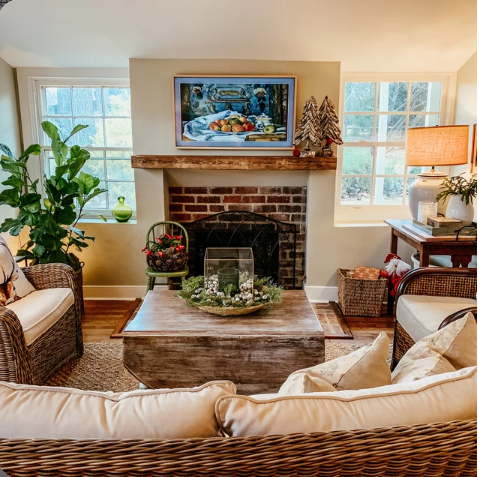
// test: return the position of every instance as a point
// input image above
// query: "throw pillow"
(366, 273)
(364, 368)
(13, 283)
(450, 348)
(442, 398)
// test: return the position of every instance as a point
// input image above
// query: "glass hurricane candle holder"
(426, 210)
(229, 270)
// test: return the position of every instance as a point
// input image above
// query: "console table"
(461, 250)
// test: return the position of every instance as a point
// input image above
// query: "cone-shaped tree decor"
(309, 130)
(329, 122)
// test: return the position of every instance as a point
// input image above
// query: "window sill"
(108, 221)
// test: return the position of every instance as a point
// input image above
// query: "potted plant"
(51, 219)
(462, 193)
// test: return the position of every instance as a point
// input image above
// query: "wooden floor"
(102, 317)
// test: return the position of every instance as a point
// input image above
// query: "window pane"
(119, 170)
(91, 136)
(357, 160)
(423, 120)
(392, 96)
(118, 132)
(87, 102)
(356, 190)
(414, 169)
(358, 127)
(98, 202)
(359, 96)
(391, 127)
(390, 160)
(64, 128)
(119, 154)
(425, 96)
(118, 189)
(388, 190)
(117, 101)
(96, 167)
(58, 101)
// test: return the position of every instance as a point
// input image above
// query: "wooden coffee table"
(170, 345)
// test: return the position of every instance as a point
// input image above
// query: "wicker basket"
(360, 297)
(168, 261)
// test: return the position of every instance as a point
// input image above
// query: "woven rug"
(101, 367)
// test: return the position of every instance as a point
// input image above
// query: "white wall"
(9, 131)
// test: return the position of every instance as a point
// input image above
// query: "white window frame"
(375, 214)
(37, 169)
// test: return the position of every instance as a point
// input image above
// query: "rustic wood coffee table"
(170, 345)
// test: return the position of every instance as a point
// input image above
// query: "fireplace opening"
(273, 242)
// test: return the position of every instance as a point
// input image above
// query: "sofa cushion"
(36, 412)
(41, 309)
(13, 283)
(448, 349)
(421, 315)
(442, 398)
(366, 367)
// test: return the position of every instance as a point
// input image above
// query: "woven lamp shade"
(437, 146)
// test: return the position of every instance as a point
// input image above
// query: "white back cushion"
(62, 413)
(439, 398)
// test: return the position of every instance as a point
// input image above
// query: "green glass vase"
(122, 212)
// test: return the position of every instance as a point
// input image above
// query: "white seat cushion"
(441, 398)
(421, 315)
(41, 309)
(42, 412)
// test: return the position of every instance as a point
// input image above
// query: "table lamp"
(433, 146)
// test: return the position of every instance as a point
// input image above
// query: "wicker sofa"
(36, 362)
(453, 283)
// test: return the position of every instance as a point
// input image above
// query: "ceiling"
(365, 35)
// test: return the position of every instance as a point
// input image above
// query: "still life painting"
(244, 112)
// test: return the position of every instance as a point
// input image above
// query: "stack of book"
(442, 226)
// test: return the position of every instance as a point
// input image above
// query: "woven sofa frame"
(432, 450)
(62, 342)
(449, 282)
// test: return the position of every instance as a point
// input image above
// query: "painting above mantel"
(251, 163)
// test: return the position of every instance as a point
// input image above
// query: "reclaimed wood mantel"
(249, 163)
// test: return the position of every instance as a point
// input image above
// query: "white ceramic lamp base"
(424, 189)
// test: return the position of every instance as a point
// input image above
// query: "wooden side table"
(460, 250)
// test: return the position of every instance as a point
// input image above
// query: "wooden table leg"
(393, 248)
(460, 260)
(424, 257)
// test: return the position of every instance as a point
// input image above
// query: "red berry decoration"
(296, 152)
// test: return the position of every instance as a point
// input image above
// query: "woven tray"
(231, 311)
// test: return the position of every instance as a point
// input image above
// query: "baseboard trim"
(321, 294)
(125, 292)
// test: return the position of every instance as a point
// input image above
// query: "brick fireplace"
(282, 203)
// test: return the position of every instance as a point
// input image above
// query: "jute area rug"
(101, 367)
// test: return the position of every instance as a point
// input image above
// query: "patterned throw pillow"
(366, 273)
(452, 348)
(13, 283)
(364, 368)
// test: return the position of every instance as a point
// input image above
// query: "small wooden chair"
(150, 237)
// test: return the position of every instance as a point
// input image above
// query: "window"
(373, 173)
(106, 109)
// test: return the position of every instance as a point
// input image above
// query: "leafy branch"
(459, 185)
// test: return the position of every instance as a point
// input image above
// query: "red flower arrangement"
(166, 253)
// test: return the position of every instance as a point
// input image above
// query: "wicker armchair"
(440, 282)
(63, 341)
(432, 450)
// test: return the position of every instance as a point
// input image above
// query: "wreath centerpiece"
(251, 297)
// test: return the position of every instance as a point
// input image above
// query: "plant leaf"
(75, 130)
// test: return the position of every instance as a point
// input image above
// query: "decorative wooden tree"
(309, 130)
(329, 126)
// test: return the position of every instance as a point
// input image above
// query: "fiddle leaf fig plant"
(52, 220)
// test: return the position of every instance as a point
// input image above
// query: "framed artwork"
(474, 150)
(234, 112)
